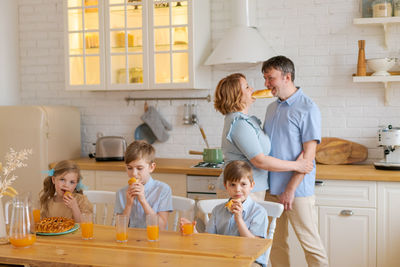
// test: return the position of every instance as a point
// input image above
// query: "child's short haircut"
(236, 170)
(138, 150)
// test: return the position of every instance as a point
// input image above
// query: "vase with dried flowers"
(14, 160)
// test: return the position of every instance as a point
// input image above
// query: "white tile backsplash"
(317, 35)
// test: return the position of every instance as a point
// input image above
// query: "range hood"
(242, 43)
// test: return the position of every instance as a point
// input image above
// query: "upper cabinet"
(137, 45)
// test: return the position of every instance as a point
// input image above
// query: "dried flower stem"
(14, 160)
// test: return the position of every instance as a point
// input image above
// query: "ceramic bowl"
(380, 66)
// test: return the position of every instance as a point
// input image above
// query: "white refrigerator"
(53, 134)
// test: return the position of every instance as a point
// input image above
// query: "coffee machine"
(389, 139)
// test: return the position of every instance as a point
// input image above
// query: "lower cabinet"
(349, 235)
(115, 180)
(388, 224)
(347, 220)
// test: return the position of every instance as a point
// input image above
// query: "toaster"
(110, 148)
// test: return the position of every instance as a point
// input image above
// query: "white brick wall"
(317, 35)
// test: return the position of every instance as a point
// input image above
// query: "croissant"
(55, 225)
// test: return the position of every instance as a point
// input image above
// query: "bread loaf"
(266, 93)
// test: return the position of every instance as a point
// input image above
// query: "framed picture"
(366, 8)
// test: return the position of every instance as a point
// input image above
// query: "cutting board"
(334, 150)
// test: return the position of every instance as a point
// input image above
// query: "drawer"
(346, 193)
(201, 184)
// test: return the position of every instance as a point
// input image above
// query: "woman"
(243, 138)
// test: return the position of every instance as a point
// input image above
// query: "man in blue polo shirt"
(293, 123)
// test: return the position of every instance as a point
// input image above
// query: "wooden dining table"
(172, 249)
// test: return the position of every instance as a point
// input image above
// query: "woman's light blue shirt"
(243, 139)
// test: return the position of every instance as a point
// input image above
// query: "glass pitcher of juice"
(22, 226)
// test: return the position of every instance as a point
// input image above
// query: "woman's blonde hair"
(235, 170)
(49, 189)
(228, 94)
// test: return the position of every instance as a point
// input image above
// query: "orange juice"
(36, 215)
(152, 232)
(187, 229)
(122, 237)
(87, 230)
(23, 241)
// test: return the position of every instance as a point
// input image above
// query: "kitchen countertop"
(184, 166)
(163, 165)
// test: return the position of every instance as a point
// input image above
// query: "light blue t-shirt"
(243, 139)
(158, 195)
(289, 124)
(222, 221)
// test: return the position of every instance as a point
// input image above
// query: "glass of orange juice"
(152, 227)
(87, 226)
(121, 227)
(188, 228)
(36, 211)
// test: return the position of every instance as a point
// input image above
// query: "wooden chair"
(181, 204)
(274, 211)
(106, 199)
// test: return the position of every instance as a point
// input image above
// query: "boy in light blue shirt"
(241, 216)
(146, 195)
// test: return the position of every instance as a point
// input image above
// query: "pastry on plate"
(55, 225)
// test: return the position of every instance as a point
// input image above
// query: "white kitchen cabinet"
(388, 224)
(177, 182)
(347, 223)
(89, 179)
(349, 235)
(136, 45)
(115, 180)
(111, 180)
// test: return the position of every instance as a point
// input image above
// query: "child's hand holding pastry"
(70, 201)
(137, 191)
(237, 208)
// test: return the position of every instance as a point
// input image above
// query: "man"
(293, 123)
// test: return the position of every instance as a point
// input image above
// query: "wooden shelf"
(378, 21)
(386, 20)
(386, 80)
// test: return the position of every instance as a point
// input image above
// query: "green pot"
(211, 155)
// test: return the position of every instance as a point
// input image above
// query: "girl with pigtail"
(62, 194)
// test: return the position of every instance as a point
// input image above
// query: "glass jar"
(382, 8)
(396, 8)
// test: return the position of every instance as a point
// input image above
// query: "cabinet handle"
(319, 183)
(211, 187)
(346, 212)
